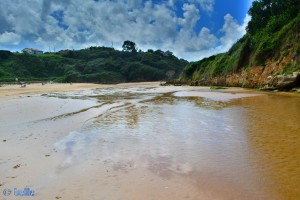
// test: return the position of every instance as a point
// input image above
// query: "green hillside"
(94, 64)
(270, 47)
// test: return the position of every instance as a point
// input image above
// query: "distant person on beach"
(23, 84)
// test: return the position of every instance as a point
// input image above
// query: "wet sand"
(142, 141)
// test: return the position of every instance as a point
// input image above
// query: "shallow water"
(160, 144)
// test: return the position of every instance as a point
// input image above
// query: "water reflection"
(247, 146)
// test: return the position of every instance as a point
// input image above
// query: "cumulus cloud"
(190, 42)
(9, 38)
(208, 44)
(232, 31)
(207, 5)
(191, 16)
(75, 24)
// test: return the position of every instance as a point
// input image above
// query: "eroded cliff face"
(265, 77)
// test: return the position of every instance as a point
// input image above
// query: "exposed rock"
(296, 90)
(295, 74)
(282, 82)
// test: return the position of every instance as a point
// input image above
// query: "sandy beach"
(10, 91)
(90, 141)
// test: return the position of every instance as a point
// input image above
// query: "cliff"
(267, 56)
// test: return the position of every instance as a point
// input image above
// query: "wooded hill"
(94, 64)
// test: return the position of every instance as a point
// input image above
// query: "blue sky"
(192, 29)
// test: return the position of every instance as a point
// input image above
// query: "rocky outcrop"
(283, 82)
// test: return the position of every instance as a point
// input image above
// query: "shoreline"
(14, 91)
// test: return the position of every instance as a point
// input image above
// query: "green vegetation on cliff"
(272, 42)
(94, 64)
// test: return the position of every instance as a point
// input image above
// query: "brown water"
(273, 136)
(178, 143)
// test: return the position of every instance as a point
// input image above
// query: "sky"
(191, 29)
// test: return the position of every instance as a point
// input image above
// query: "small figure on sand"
(23, 84)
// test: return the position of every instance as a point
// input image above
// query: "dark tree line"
(94, 64)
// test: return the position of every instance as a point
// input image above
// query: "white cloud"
(9, 38)
(190, 42)
(207, 5)
(207, 42)
(191, 16)
(232, 30)
(187, 41)
(91, 23)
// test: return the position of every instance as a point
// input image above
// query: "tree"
(150, 51)
(262, 11)
(129, 46)
(259, 14)
(169, 53)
